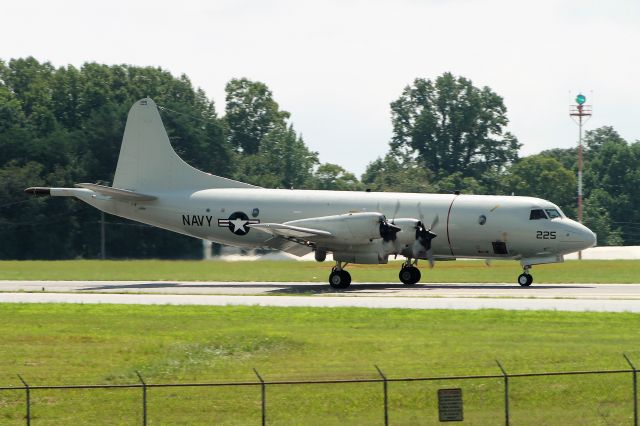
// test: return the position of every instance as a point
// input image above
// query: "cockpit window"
(553, 213)
(537, 214)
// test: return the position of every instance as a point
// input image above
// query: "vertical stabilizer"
(148, 163)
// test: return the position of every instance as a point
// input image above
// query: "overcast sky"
(336, 65)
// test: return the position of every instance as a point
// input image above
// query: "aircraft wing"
(295, 247)
(290, 231)
(292, 239)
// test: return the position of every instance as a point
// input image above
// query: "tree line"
(60, 126)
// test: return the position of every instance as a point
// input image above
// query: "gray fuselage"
(469, 226)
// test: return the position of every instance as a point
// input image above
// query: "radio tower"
(580, 113)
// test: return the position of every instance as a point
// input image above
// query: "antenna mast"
(582, 112)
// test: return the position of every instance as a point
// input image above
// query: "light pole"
(103, 235)
(583, 113)
(103, 251)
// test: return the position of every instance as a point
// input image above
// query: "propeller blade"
(420, 212)
(425, 235)
(395, 212)
(435, 222)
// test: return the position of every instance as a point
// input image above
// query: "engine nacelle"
(352, 228)
(407, 234)
(367, 237)
(409, 241)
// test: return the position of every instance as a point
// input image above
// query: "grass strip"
(89, 344)
(585, 271)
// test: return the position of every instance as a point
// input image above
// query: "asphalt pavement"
(562, 297)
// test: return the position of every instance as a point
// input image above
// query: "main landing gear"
(409, 274)
(525, 279)
(339, 278)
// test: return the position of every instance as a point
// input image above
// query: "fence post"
(264, 397)
(635, 390)
(506, 393)
(26, 386)
(386, 400)
(144, 399)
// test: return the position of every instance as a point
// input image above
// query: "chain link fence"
(386, 413)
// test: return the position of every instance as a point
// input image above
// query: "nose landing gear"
(339, 278)
(525, 279)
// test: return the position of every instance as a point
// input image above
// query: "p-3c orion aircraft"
(153, 185)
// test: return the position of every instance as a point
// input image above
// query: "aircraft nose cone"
(584, 235)
(575, 237)
(590, 238)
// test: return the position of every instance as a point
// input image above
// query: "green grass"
(74, 344)
(586, 271)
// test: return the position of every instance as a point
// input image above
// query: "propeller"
(388, 230)
(424, 235)
(395, 212)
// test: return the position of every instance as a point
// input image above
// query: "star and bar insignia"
(237, 223)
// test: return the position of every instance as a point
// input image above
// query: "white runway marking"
(562, 297)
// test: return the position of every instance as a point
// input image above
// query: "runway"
(561, 297)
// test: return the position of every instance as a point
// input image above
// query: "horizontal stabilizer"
(115, 193)
(288, 231)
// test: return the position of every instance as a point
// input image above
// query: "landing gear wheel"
(409, 275)
(339, 279)
(525, 280)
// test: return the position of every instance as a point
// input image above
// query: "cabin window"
(537, 214)
(553, 213)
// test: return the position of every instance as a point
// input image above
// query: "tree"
(333, 177)
(459, 182)
(612, 179)
(397, 173)
(283, 161)
(568, 157)
(598, 219)
(250, 114)
(35, 227)
(268, 151)
(597, 138)
(63, 126)
(10, 110)
(543, 177)
(452, 126)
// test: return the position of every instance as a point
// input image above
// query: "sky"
(336, 65)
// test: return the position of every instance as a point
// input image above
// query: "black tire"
(409, 275)
(525, 280)
(416, 275)
(339, 279)
(335, 279)
(346, 278)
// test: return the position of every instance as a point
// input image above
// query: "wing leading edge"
(290, 231)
